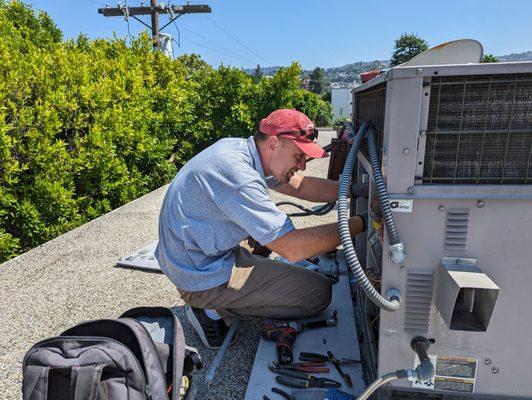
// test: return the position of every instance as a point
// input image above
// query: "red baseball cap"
(294, 125)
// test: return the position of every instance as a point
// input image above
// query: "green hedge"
(89, 125)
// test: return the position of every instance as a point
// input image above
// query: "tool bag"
(140, 356)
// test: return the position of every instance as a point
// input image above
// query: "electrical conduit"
(393, 303)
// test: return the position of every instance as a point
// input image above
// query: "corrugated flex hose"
(397, 249)
(345, 236)
(380, 187)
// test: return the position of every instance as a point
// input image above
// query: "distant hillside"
(349, 74)
(526, 56)
(344, 75)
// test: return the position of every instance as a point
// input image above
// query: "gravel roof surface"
(73, 278)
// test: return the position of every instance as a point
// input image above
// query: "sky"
(244, 33)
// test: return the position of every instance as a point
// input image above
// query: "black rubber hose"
(324, 209)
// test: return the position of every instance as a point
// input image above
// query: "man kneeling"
(219, 199)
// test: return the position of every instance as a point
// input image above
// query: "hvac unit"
(455, 148)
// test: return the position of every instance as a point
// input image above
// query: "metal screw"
(441, 207)
(403, 267)
(458, 261)
(389, 384)
(419, 71)
(487, 361)
(410, 189)
(480, 204)
(423, 133)
(494, 370)
(406, 150)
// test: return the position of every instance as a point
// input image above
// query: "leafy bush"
(89, 125)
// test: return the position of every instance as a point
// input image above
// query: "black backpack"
(141, 355)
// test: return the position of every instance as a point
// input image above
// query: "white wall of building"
(341, 103)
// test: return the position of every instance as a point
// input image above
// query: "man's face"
(287, 160)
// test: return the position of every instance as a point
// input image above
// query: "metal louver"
(456, 229)
(418, 300)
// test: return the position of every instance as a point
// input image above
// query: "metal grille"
(456, 228)
(370, 107)
(419, 288)
(480, 130)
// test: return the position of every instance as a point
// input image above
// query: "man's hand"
(310, 242)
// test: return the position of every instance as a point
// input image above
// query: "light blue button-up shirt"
(219, 198)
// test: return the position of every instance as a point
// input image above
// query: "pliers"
(315, 357)
(283, 394)
(301, 380)
(316, 367)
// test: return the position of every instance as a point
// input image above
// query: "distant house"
(341, 102)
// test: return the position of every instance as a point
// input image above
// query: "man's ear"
(273, 143)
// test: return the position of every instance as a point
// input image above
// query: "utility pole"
(154, 10)
(155, 25)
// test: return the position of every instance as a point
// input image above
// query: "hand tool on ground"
(285, 332)
(318, 368)
(315, 357)
(300, 379)
(280, 392)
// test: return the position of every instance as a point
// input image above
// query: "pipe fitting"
(425, 369)
(393, 295)
(411, 375)
(397, 253)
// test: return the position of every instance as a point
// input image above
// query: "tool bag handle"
(35, 384)
(85, 381)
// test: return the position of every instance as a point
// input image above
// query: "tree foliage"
(317, 83)
(489, 58)
(406, 47)
(89, 125)
(257, 74)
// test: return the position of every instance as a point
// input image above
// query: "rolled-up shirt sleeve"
(251, 207)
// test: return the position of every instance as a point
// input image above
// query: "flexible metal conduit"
(345, 236)
(380, 187)
(397, 249)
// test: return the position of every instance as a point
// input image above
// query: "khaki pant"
(264, 288)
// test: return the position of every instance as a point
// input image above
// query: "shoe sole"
(197, 327)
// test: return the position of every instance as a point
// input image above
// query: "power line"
(178, 35)
(100, 3)
(215, 50)
(236, 40)
(217, 45)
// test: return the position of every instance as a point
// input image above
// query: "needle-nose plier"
(301, 380)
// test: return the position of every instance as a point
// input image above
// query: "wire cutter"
(301, 380)
(315, 357)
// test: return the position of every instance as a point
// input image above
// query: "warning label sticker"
(453, 374)
(454, 384)
(461, 367)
